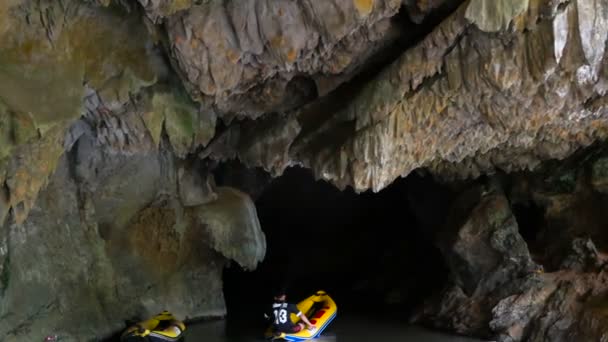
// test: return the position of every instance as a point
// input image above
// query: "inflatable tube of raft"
(320, 309)
(160, 328)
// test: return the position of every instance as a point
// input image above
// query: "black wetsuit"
(280, 315)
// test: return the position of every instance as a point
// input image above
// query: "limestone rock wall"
(102, 213)
(111, 238)
(245, 54)
(547, 287)
(462, 102)
(114, 115)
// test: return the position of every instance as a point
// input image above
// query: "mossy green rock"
(15, 128)
(49, 52)
(49, 49)
(185, 124)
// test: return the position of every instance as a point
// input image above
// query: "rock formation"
(549, 288)
(116, 116)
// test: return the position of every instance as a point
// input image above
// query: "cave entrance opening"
(370, 251)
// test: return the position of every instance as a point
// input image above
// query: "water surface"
(344, 329)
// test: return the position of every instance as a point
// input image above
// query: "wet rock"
(487, 242)
(564, 301)
(512, 315)
(583, 257)
(487, 258)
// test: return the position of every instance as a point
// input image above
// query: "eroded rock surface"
(113, 215)
(245, 54)
(462, 102)
(488, 260)
(95, 183)
(551, 287)
(114, 116)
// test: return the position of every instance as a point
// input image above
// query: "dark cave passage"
(368, 251)
(530, 219)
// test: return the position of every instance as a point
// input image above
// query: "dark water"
(344, 329)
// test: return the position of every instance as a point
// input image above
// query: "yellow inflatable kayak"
(320, 310)
(160, 328)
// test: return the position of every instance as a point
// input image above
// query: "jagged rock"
(487, 242)
(243, 54)
(591, 324)
(564, 306)
(487, 258)
(512, 315)
(464, 102)
(584, 256)
(26, 172)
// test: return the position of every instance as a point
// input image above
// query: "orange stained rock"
(364, 6)
(291, 55)
(233, 56)
(276, 41)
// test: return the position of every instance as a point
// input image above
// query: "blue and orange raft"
(320, 309)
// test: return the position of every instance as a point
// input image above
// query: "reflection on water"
(344, 329)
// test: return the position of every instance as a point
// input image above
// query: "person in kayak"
(280, 315)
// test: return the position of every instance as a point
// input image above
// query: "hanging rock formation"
(461, 103)
(114, 115)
